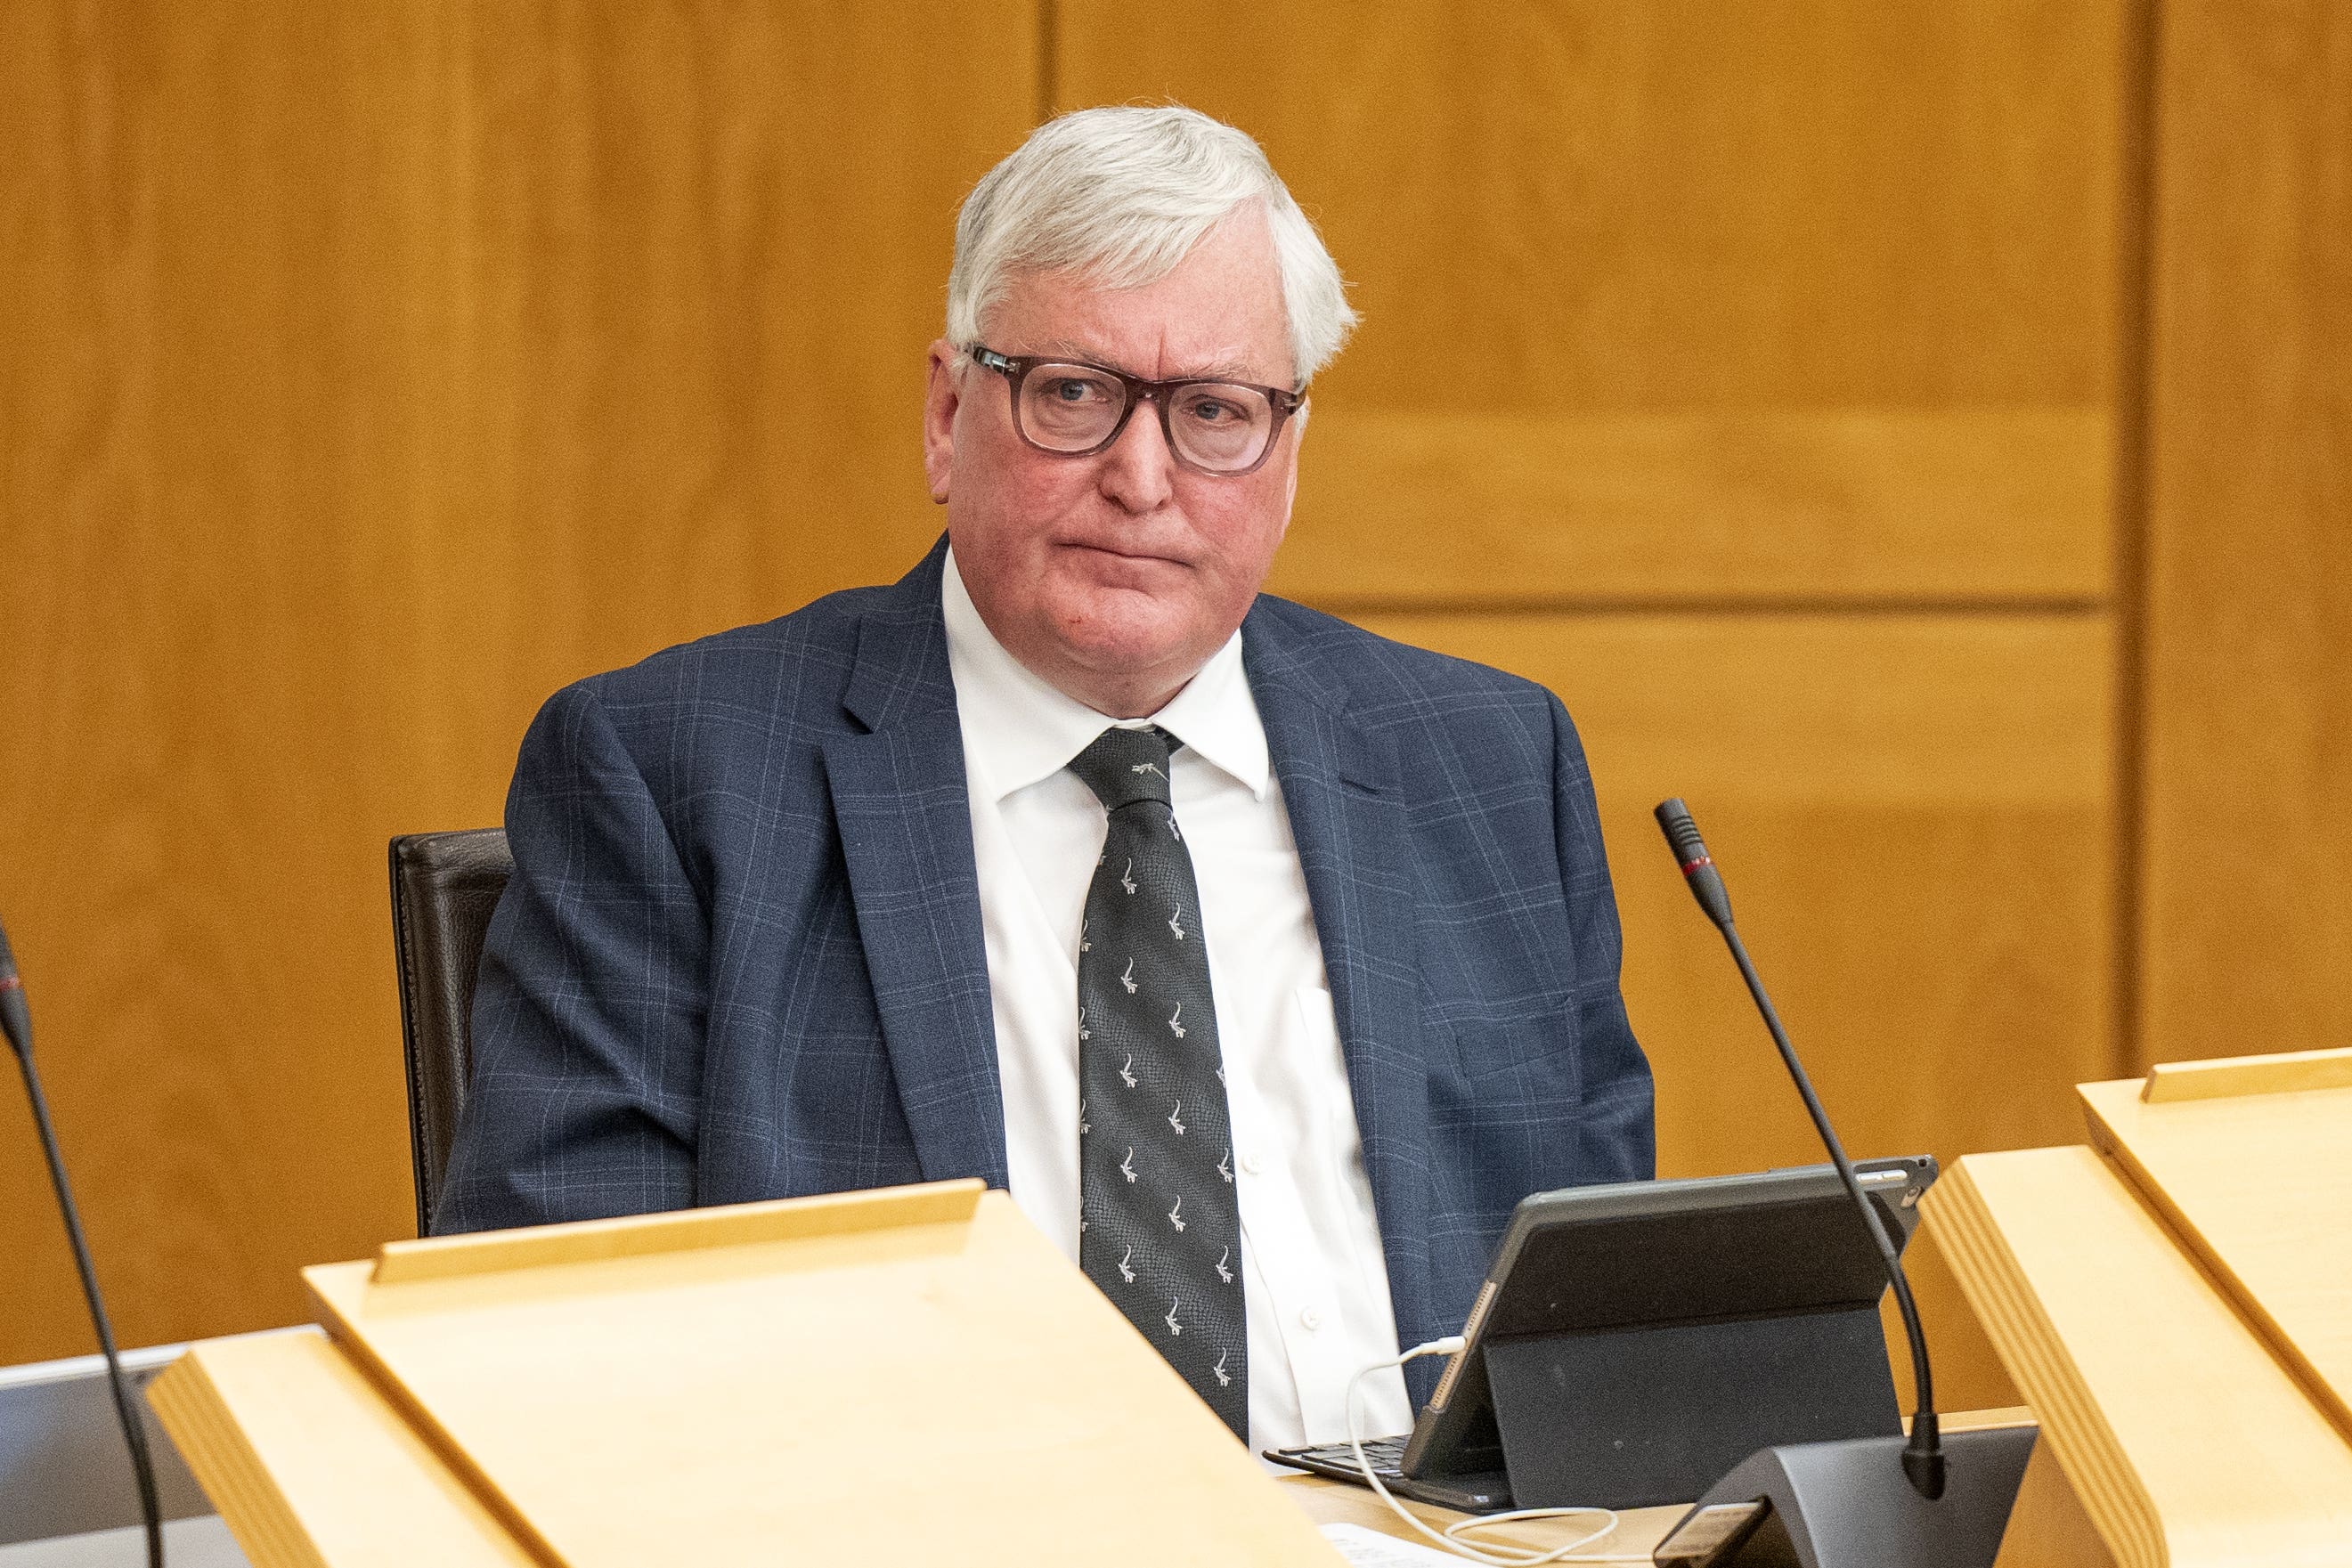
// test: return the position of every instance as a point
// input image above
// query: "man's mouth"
(1124, 552)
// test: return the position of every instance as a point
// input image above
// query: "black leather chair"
(444, 887)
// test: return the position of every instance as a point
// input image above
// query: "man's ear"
(940, 400)
(1297, 440)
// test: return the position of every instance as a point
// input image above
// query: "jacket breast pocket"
(1541, 1041)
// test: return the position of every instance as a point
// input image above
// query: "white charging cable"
(1454, 1537)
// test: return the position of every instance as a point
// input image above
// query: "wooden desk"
(1338, 1502)
(360, 1489)
(2048, 1529)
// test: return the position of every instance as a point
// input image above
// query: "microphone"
(1923, 1456)
(16, 1023)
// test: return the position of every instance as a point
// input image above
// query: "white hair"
(1122, 195)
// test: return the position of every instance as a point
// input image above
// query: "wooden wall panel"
(379, 370)
(1766, 507)
(707, 256)
(1676, 203)
(74, 309)
(1781, 298)
(2247, 846)
(221, 424)
(1902, 807)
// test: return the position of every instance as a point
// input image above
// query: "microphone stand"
(1856, 1502)
(16, 1023)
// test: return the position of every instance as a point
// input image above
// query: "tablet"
(1651, 1334)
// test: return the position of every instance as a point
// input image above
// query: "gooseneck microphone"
(1923, 1456)
(16, 1023)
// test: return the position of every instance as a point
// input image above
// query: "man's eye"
(1213, 411)
(1069, 389)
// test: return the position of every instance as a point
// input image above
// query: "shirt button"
(1251, 1164)
(1310, 1320)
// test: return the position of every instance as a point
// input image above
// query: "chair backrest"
(444, 887)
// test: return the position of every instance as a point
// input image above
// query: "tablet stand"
(1637, 1417)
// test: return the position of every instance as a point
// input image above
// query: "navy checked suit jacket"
(742, 953)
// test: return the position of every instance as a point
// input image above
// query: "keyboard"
(1471, 1493)
(1386, 1455)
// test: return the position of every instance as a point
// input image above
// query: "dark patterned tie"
(1160, 1224)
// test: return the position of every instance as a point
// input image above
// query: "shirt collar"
(1019, 729)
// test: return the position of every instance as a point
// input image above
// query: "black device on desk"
(1634, 1340)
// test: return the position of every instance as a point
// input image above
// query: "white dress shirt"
(1316, 1281)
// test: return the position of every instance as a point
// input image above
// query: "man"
(1267, 962)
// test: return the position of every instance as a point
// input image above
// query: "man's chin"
(1128, 643)
(1134, 650)
(1090, 611)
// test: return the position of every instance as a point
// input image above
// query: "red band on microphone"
(11, 983)
(1694, 866)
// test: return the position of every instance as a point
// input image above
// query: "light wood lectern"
(917, 1375)
(2176, 1304)
(912, 1375)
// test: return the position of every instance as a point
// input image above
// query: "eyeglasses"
(1075, 410)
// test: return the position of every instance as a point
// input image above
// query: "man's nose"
(1138, 471)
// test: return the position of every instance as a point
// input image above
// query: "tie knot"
(1124, 766)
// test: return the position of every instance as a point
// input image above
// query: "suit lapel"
(1347, 813)
(900, 806)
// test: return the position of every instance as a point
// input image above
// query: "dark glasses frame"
(1016, 370)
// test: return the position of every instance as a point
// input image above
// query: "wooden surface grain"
(2187, 1443)
(312, 1468)
(1585, 204)
(2255, 1185)
(278, 1426)
(220, 391)
(735, 1398)
(2245, 936)
(2280, 1072)
(1796, 507)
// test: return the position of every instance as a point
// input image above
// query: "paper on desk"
(1370, 1549)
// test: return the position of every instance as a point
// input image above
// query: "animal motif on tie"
(1085, 1034)
(1173, 1326)
(1083, 1128)
(1176, 922)
(1175, 1118)
(1124, 1272)
(1225, 1165)
(1174, 1212)
(1173, 1024)
(1126, 1071)
(1127, 976)
(1173, 832)
(1225, 1378)
(1127, 878)
(1224, 1273)
(1127, 1166)
(1145, 767)
(1084, 946)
